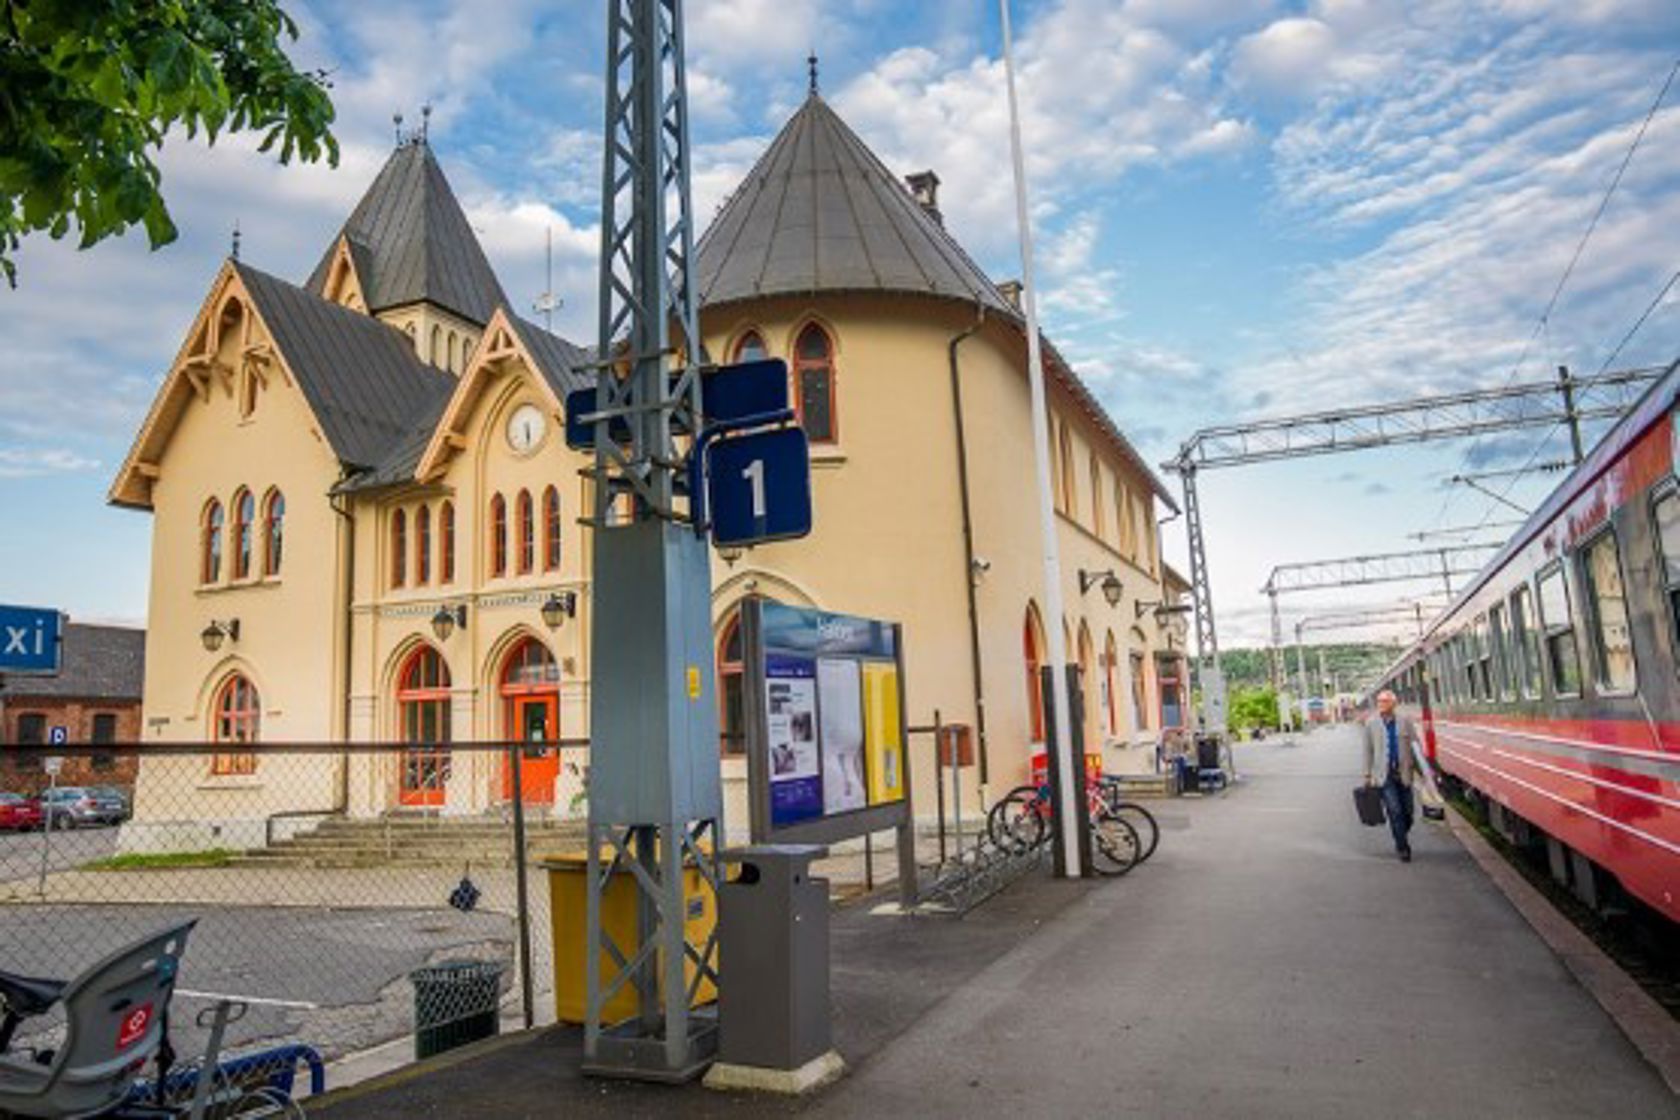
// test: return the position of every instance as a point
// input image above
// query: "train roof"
(1656, 402)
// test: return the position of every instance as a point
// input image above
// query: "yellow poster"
(882, 740)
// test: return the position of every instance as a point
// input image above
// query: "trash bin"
(455, 1002)
(773, 955)
(567, 902)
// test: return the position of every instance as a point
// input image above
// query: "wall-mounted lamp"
(559, 606)
(1161, 610)
(1111, 587)
(730, 554)
(214, 634)
(447, 618)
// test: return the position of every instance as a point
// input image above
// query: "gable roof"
(820, 213)
(98, 663)
(361, 377)
(411, 242)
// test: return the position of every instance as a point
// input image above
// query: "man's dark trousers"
(1397, 799)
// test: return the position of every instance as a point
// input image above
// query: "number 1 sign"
(760, 487)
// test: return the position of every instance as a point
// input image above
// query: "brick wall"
(25, 776)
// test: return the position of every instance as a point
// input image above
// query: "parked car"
(19, 813)
(78, 806)
(116, 796)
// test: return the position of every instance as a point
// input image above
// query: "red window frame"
(1111, 654)
(748, 340)
(731, 680)
(237, 719)
(399, 548)
(210, 544)
(498, 536)
(1034, 657)
(527, 533)
(446, 544)
(274, 532)
(803, 364)
(423, 545)
(551, 530)
(244, 518)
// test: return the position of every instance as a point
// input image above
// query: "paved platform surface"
(1273, 959)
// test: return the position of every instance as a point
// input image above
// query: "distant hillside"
(1353, 665)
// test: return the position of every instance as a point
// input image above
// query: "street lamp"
(1111, 586)
(558, 607)
(447, 618)
(214, 634)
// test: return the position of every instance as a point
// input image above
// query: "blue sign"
(790, 706)
(580, 436)
(803, 630)
(736, 394)
(30, 640)
(759, 487)
(58, 736)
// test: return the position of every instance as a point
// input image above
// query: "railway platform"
(1274, 959)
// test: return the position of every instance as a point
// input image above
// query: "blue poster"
(795, 762)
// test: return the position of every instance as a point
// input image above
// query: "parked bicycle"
(1020, 822)
(116, 1022)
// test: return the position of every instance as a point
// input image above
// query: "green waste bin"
(455, 1002)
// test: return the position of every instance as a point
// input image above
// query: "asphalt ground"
(1273, 959)
(21, 852)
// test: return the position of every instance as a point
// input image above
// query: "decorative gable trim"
(344, 283)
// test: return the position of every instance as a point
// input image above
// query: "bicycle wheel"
(1115, 847)
(1142, 822)
(1016, 823)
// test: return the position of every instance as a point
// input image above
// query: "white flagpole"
(1070, 765)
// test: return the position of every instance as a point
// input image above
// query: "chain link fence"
(346, 896)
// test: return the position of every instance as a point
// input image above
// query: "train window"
(1558, 625)
(1467, 665)
(1501, 653)
(1525, 642)
(1608, 615)
(1665, 509)
(1479, 656)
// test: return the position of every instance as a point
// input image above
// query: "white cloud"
(31, 462)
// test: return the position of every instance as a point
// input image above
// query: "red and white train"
(1551, 685)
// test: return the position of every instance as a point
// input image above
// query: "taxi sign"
(30, 640)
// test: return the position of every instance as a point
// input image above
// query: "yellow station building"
(365, 517)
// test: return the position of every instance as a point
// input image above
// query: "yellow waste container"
(567, 875)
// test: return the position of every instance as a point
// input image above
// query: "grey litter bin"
(773, 958)
(455, 1002)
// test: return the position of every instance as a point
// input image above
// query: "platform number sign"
(759, 487)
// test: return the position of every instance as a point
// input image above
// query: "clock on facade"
(526, 429)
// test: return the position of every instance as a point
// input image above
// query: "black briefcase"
(1368, 801)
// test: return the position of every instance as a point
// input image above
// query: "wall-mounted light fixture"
(1111, 586)
(1161, 610)
(447, 618)
(217, 632)
(729, 554)
(558, 607)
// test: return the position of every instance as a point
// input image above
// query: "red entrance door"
(536, 723)
(423, 704)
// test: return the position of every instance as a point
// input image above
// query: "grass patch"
(147, 861)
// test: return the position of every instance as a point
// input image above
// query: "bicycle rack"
(976, 874)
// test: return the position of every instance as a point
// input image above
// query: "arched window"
(1097, 525)
(244, 518)
(399, 548)
(551, 530)
(527, 533)
(1032, 651)
(731, 679)
(1088, 688)
(750, 347)
(1070, 482)
(210, 543)
(1140, 690)
(814, 378)
(446, 543)
(274, 532)
(454, 352)
(498, 536)
(238, 719)
(423, 545)
(423, 714)
(1111, 703)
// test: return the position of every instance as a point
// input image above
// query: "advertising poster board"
(826, 733)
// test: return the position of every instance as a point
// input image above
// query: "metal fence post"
(516, 758)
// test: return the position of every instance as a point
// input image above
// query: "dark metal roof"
(558, 362)
(363, 381)
(820, 212)
(98, 663)
(411, 242)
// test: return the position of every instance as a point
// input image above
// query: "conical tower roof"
(821, 213)
(411, 242)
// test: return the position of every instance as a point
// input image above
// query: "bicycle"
(1140, 818)
(1020, 822)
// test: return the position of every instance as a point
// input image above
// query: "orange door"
(534, 721)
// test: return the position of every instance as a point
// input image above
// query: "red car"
(19, 813)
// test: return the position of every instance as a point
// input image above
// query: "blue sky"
(1243, 207)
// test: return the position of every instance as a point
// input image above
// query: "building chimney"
(924, 187)
(1011, 291)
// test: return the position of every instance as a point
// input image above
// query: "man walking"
(1388, 743)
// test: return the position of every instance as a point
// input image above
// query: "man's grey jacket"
(1376, 749)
